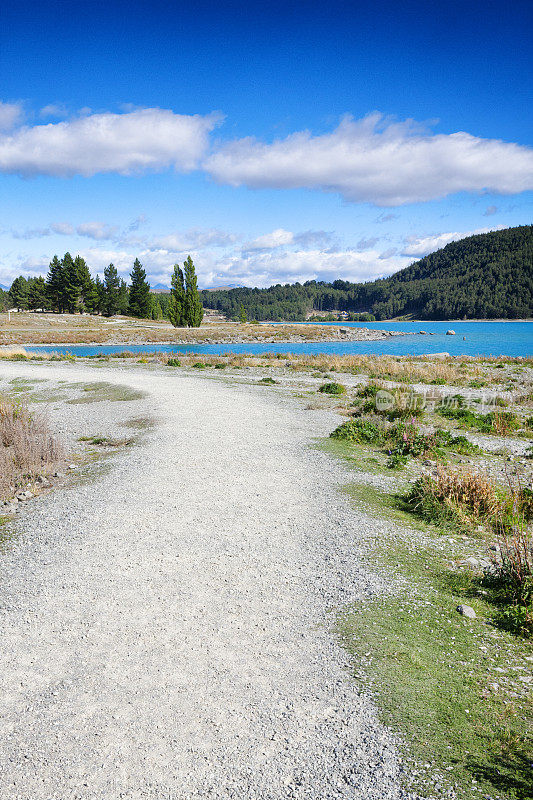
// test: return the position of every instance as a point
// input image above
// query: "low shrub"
(199, 365)
(362, 430)
(403, 439)
(267, 381)
(173, 362)
(332, 388)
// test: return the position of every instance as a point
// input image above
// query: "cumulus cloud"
(421, 246)
(143, 140)
(63, 228)
(270, 241)
(315, 239)
(11, 114)
(378, 161)
(267, 268)
(97, 230)
(192, 240)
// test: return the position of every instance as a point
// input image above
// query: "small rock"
(450, 333)
(466, 611)
(72, 466)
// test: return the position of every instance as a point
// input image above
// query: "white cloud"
(365, 244)
(193, 239)
(422, 245)
(130, 143)
(267, 268)
(378, 161)
(11, 114)
(97, 230)
(31, 233)
(490, 210)
(53, 110)
(270, 241)
(63, 228)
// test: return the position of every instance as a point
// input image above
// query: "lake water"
(472, 339)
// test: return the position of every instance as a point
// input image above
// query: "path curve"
(164, 627)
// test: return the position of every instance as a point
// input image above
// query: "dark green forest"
(486, 276)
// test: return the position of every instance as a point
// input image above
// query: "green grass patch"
(431, 670)
(98, 392)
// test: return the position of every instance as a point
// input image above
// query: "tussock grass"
(27, 447)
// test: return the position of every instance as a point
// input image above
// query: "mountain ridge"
(484, 276)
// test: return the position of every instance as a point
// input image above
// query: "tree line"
(485, 276)
(70, 288)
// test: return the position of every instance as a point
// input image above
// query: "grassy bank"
(454, 688)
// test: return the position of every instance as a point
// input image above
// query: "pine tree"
(18, 294)
(176, 306)
(156, 309)
(123, 297)
(111, 291)
(139, 305)
(100, 294)
(70, 288)
(37, 296)
(54, 283)
(242, 315)
(194, 310)
(88, 294)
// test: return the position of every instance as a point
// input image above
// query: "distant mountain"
(160, 288)
(224, 288)
(4, 288)
(487, 276)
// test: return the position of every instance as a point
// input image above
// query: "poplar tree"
(176, 305)
(111, 291)
(194, 310)
(139, 305)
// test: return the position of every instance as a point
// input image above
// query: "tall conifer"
(139, 305)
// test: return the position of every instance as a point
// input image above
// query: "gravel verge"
(165, 627)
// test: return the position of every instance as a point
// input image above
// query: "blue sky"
(273, 142)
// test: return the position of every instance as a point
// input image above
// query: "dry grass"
(27, 448)
(29, 328)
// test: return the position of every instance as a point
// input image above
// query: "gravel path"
(164, 627)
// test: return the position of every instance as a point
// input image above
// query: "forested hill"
(489, 275)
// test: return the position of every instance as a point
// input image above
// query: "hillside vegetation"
(489, 275)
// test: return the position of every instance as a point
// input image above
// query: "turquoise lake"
(471, 339)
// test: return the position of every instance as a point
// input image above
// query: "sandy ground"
(165, 626)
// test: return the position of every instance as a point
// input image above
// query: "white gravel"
(165, 627)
